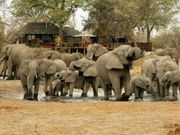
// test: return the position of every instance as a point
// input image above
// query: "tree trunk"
(148, 35)
(61, 34)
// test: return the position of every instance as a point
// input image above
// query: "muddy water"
(13, 90)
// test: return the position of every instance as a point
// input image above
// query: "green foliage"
(168, 38)
(126, 15)
(2, 34)
(56, 11)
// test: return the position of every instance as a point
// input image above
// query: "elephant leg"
(105, 89)
(95, 87)
(125, 82)
(50, 80)
(167, 90)
(61, 86)
(115, 80)
(65, 90)
(71, 87)
(161, 92)
(45, 86)
(25, 91)
(85, 88)
(141, 94)
(136, 92)
(10, 68)
(174, 87)
(36, 89)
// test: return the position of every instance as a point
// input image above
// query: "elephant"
(51, 54)
(139, 84)
(172, 52)
(32, 70)
(87, 68)
(149, 69)
(14, 55)
(68, 58)
(162, 68)
(95, 50)
(173, 78)
(71, 80)
(114, 69)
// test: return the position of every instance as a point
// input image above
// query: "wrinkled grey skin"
(88, 69)
(113, 69)
(162, 68)
(51, 54)
(173, 78)
(32, 70)
(71, 80)
(68, 58)
(95, 50)
(149, 69)
(172, 52)
(139, 84)
(14, 55)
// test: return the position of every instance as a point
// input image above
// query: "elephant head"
(143, 82)
(95, 50)
(5, 52)
(67, 76)
(87, 67)
(34, 69)
(123, 56)
(168, 77)
(77, 56)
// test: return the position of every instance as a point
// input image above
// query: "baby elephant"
(139, 84)
(71, 80)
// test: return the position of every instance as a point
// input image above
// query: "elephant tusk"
(36, 75)
(28, 77)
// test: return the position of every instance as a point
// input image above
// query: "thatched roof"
(40, 28)
(70, 31)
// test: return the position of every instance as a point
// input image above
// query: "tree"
(2, 34)
(153, 14)
(56, 11)
(113, 17)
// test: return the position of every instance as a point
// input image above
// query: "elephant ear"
(91, 71)
(114, 62)
(100, 50)
(78, 56)
(52, 69)
(139, 82)
(78, 63)
(71, 77)
(24, 67)
(9, 50)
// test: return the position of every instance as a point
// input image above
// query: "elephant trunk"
(30, 83)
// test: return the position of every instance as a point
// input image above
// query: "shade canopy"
(85, 35)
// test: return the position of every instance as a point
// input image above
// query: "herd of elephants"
(100, 68)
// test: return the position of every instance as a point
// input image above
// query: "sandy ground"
(19, 117)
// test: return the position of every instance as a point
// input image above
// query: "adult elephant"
(51, 54)
(32, 70)
(14, 55)
(172, 52)
(95, 50)
(88, 69)
(113, 69)
(68, 58)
